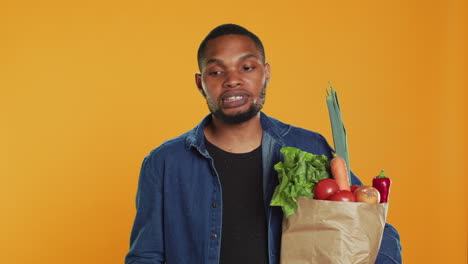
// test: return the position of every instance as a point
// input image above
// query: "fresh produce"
(354, 187)
(367, 194)
(382, 184)
(297, 173)
(340, 173)
(328, 189)
(342, 196)
(325, 188)
(339, 133)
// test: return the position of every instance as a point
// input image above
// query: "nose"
(232, 80)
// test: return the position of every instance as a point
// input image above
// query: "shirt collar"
(196, 138)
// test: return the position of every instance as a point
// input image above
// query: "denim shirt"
(179, 199)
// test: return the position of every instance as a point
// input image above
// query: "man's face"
(233, 78)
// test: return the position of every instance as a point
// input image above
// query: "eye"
(248, 68)
(214, 73)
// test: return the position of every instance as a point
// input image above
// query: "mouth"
(234, 99)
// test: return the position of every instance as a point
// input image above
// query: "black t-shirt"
(244, 230)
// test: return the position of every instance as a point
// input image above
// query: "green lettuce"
(298, 173)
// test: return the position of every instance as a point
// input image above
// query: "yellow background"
(88, 88)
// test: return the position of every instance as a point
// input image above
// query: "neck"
(239, 138)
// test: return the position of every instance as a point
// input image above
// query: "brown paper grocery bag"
(329, 232)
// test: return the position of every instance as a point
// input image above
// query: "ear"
(198, 82)
(267, 72)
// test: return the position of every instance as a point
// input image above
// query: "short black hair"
(229, 29)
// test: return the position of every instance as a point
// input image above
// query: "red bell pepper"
(382, 184)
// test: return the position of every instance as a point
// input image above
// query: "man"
(204, 196)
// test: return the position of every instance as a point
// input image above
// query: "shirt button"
(214, 236)
(214, 205)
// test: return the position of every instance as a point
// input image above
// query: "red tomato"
(367, 194)
(325, 188)
(342, 196)
(354, 187)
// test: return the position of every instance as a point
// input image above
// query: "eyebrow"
(243, 57)
(246, 56)
(210, 61)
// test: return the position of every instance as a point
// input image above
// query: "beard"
(240, 117)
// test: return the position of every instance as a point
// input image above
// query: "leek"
(338, 129)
